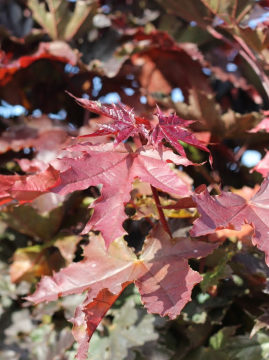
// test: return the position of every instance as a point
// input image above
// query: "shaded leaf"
(235, 123)
(26, 220)
(67, 245)
(221, 271)
(25, 188)
(262, 322)
(224, 346)
(33, 262)
(156, 77)
(40, 134)
(46, 343)
(56, 51)
(263, 125)
(227, 10)
(240, 347)
(146, 207)
(88, 316)
(126, 334)
(59, 22)
(12, 19)
(188, 10)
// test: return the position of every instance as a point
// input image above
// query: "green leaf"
(129, 329)
(216, 341)
(225, 346)
(261, 322)
(221, 271)
(61, 23)
(206, 354)
(188, 10)
(242, 347)
(27, 220)
(227, 10)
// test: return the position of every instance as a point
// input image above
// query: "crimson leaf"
(172, 128)
(116, 169)
(26, 188)
(230, 211)
(125, 124)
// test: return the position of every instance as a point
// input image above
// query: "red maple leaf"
(24, 188)
(172, 128)
(230, 211)
(115, 169)
(161, 274)
(40, 134)
(125, 124)
(55, 50)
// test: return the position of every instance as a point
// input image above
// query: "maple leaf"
(27, 220)
(125, 124)
(59, 21)
(230, 211)
(7, 182)
(172, 128)
(25, 188)
(116, 169)
(161, 274)
(32, 262)
(87, 317)
(39, 134)
(155, 76)
(55, 51)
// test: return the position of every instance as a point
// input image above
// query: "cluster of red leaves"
(161, 272)
(148, 149)
(171, 128)
(115, 166)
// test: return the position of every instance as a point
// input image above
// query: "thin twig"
(160, 211)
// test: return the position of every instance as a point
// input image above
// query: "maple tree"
(125, 179)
